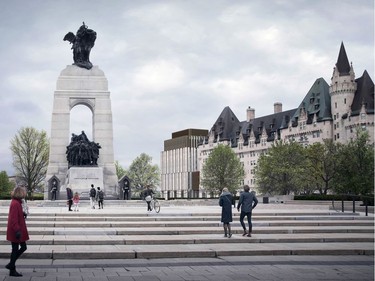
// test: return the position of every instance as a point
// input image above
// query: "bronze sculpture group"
(82, 152)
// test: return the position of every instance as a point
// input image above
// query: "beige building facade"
(332, 111)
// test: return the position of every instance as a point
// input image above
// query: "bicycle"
(155, 205)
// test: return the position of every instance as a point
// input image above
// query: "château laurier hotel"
(331, 111)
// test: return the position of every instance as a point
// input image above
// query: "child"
(76, 201)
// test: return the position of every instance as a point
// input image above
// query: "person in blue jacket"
(247, 202)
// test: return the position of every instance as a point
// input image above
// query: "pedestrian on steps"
(69, 196)
(247, 202)
(92, 194)
(17, 232)
(76, 202)
(225, 201)
(100, 197)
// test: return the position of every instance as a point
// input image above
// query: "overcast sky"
(173, 65)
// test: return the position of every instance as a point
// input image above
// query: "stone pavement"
(266, 268)
(290, 242)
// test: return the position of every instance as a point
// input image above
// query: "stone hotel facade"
(332, 111)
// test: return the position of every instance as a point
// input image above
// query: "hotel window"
(335, 104)
(344, 101)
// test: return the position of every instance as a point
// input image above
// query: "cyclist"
(148, 196)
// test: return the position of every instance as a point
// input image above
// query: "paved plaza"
(328, 267)
(271, 268)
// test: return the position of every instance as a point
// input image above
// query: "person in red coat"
(17, 232)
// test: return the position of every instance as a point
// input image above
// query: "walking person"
(76, 202)
(247, 202)
(100, 197)
(148, 197)
(69, 196)
(92, 196)
(225, 201)
(17, 232)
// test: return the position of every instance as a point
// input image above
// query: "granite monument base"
(79, 179)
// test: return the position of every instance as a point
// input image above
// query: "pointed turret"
(343, 85)
(342, 64)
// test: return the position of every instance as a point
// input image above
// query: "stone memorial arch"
(82, 84)
(89, 87)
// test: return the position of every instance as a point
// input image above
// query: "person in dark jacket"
(247, 202)
(148, 193)
(17, 232)
(92, 194)
(69, 196)
(225, 201)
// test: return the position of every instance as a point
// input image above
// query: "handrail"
(354, 197)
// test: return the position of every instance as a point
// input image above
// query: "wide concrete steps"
(105, 239)
(190, 250)
(119, 234)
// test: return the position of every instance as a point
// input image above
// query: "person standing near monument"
(69, 196)
(100, 197)
(246, 203)
(17, 232)
(225, 201)
(54, 190)
(92, 194)
(125, 189)
(76, 202)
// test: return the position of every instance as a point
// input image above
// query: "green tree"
(5, 185)
(356, 166)
(30, 149)
(322, 164)
(282, 169)
(222, 169)
(120, 171)
(143, 173)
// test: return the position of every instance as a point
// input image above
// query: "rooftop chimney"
(277, 107)
(250, 114)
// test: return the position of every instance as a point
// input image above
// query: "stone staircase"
(127, 231)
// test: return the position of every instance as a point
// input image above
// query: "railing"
(365, 200)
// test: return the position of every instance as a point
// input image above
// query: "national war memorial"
(78, 162)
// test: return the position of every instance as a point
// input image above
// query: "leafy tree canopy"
(5, 185)
(281, 170)
(142, 173)
(222, 169)
(356, 166)
(120, 171)
(30, 149)
(322, 165)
